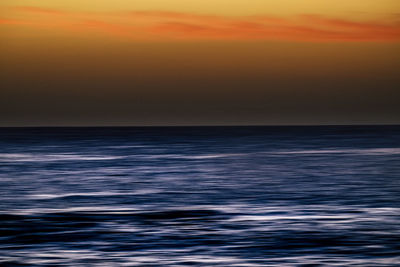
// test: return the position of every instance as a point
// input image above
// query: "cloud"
(166, 25)
(47, 11)
(14, 22)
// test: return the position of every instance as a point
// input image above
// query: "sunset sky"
(199, 62)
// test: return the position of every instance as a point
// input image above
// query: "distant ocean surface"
(200, 196)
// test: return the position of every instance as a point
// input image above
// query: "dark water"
(207, 196)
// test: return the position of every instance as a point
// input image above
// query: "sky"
(199, 62)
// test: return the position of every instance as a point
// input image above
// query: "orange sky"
(302, 21)
(199, 62)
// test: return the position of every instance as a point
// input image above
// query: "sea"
(200, 196)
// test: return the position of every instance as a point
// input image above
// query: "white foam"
(99, 194)
(367, 151)
(39, 157)
(211, 156)
(183, 156)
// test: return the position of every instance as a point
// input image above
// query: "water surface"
(200, 196)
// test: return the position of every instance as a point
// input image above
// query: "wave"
(77, 216)
(183, 156)
(39, 157)
(93, 194)
(367, 151)
(45, 157)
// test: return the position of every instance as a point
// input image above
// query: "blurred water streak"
(200, 196)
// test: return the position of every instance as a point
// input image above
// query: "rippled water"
(202, 196)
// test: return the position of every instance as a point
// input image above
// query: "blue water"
(201, 196)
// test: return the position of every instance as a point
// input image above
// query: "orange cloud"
(40, 10)
(14, 21)
(165, 25)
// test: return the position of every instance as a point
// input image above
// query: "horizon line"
(205, 125)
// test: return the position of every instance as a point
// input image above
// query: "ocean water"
(200, 196)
